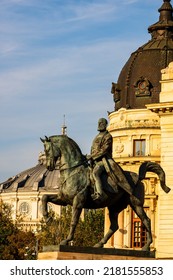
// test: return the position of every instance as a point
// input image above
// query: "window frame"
(139, 147)
(139, 232)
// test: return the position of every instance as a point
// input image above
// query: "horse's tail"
(155, 168)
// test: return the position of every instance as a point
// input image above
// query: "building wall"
(164, 110)
(154, 125)
(127, 127)
(27, 206)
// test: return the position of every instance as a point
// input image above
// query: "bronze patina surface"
(77, 187)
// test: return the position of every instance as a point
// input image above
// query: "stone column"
(34, 208)
(164, 231)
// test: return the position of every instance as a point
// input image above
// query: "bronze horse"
(77, 186)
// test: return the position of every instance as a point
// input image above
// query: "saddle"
(109, 180)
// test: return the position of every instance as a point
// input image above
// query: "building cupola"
(139, 80)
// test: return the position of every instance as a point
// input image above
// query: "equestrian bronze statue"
(78, 186)
(101, 161)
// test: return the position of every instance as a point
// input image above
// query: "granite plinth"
(90, 253)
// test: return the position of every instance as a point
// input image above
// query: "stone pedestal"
(91, 253)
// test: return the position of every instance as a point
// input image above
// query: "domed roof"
(36, 178)
(139, 81)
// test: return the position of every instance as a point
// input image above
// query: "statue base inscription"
(90, 253)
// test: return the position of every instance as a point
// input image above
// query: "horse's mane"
(67, 140)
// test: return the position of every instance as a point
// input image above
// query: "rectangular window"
(139, 233)
(139, 148)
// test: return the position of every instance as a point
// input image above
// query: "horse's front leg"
(113, 217)
(75, 218)
(78, 204)
(53, 198)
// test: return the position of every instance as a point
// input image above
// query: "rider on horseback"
(101, 160)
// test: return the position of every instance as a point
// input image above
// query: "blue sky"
(60, 57)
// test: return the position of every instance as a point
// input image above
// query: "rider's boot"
(99, 195)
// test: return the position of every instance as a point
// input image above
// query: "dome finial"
(164, 27)
(64, 128)
(166, 11)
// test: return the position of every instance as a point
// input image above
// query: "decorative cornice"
(161, 108)
(133, 124)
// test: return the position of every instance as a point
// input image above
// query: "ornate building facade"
(142, 130)
(25, 190)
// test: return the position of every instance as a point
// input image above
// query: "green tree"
(14, 241)
(89, 230)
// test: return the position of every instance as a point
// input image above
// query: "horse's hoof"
(98, 245)
(146, 248)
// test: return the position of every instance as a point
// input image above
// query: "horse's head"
(52, 152)
(63, 149)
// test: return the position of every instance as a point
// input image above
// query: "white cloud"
(96, 11)
(18, 158)
(7, 48)
(56, 60)
(76, 82)
(61, 67)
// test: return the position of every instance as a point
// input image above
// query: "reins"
(72, 167)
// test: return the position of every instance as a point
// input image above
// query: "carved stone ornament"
(25, 208)
(168, 70)
(115, 90)
(119, 148)
(142, 87)
(135, 124)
